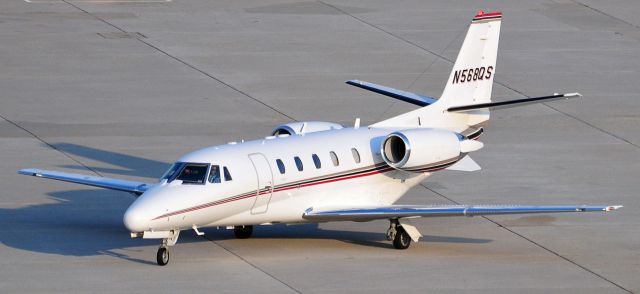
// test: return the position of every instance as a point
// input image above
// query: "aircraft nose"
(134, 220)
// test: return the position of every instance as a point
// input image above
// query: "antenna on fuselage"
(303, 129)
(356, 124)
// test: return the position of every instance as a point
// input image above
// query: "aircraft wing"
(413, 211)
(114, 184)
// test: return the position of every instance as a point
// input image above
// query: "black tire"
(243, 232)
(402, 240)
(163, 256)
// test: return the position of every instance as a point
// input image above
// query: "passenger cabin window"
(356, 155)
(316, 161)
(298, 163)
(193, 173)
(214, 174)
(280, 165)
(334, 158)
(227, 175)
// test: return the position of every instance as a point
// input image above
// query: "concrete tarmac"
(123, 88)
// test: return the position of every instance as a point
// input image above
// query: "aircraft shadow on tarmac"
(131, 165)
(88, 222)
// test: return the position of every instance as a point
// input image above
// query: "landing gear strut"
(243, 232)
(397, 234)
(162, 257)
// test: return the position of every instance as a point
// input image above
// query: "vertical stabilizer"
(470, 81)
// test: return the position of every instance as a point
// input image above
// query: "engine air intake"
(421, 150)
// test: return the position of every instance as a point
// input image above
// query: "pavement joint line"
(50, 145)
(577, 119)
(549, 250)
(606, 14)
(393, 103)
(495, 81)
(189, 65)
(251, 264)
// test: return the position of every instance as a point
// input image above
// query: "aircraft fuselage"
(260, 193)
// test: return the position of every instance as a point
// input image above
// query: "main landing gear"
(396, 233)
(243, 232)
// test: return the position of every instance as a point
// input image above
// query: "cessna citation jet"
(311, 172)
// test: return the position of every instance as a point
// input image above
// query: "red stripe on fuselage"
(252, 194)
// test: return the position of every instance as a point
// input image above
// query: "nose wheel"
(163, 256)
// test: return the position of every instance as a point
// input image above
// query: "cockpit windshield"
(172, 172)
(187, 172)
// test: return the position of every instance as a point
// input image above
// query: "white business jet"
(309, 172)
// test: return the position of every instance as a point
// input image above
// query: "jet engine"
(296, 128)
(421, 150)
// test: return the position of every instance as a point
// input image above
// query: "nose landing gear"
(162, 257)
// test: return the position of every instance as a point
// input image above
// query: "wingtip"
(613, 207)
(28, 172)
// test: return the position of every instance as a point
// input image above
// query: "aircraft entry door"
(265, 183)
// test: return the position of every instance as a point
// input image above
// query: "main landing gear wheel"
(397, 234)
(402, 240)
(243, 232)
(163, 256)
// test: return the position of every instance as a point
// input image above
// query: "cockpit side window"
(214, 174)
(227, 175)
(193, 173)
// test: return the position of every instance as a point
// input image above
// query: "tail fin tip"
(481, 15)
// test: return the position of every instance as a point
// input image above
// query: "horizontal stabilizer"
(114, 184)
(465, 164)
(512, 103)
(412, 98)
(401, 211)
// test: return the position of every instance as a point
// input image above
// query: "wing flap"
(114, 184)
(412, 211)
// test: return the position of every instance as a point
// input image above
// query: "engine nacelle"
(422, 150)
(296, 128)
